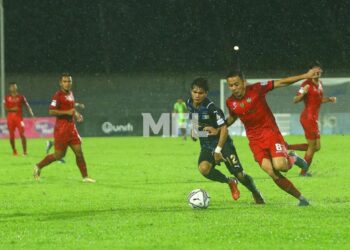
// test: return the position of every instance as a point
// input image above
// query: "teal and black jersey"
(207, 114)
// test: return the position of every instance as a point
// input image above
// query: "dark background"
(98, 36)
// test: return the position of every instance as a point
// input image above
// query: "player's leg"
(80, 161)
(234, 166)
(11, 127)
(23, 138)
(313, 147)
(282, 182)
(206, 166)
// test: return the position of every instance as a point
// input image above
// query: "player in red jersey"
(311, 92)
(13, 104)
(248, 103)
(65, 133)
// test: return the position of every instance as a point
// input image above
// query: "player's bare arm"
(79, 105)
(78, 116)
(303, 91)
(222, 140)
(311, 74)
(331, 99)
(56, 112)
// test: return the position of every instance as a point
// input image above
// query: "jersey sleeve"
(264, 86)
(55, 102)
(301, 90)
(217, 113)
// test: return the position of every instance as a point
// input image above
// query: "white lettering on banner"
(3, 129)
(44, 128)
(108, 128)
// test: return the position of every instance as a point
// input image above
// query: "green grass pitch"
(140, 200)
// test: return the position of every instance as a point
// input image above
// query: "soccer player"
(65, 133)
(248, 103)
(216, 148)
(50, 144)
(13, 104)
(180, 110)
(311, 92)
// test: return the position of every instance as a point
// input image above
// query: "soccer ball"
(198, 198)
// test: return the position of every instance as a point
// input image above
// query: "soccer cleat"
(88, 180)
(258, 198)
(303, 202)
(234, 189)
(49, 145)
(300, 162)
(62, 161)
(304, 173)
(15, 153)
(36, 172)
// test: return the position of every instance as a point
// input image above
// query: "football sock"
(308, 159)
(12, 142)
(299, 147)
(24, 144)
(287, 186)
(248, 182)
(81, 165)
(216, 175)
(46, 161)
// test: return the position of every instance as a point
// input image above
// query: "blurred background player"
(65, 133)
(311, 92)
(50, 143)
(13, 106)
(216, 148)
(180, 110)
(248, 103)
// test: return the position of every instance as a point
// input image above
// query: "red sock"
(82, 165)
(287, 186)
(12, 142)
(46, 161)
(24, 144)
(299, 147)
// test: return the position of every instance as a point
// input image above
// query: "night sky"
(174, 35)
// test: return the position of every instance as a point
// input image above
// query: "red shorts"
(310, 127)
(270, 145)
(13, 123)
(65, 136)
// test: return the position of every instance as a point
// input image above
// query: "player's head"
(236, 83)
(66, 82)
(199, 90)
(316, 65)
(13, 87)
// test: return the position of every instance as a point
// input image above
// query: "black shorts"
(228, 152)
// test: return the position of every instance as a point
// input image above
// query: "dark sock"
(46, 161)
(248, 182)
(12, 142)
(216, 175)
(287, 186)
(299, 147)
(24, 144)
(81, 165)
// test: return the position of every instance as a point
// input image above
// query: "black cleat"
(258, 198)
(303, 203)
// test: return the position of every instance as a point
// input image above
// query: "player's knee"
(204, 169)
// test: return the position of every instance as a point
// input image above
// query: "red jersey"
(15, 101)
(312, 99)
(63, 101)
(254, 111)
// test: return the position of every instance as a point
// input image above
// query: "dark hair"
(64, 75)
(12, 83)
(200, 82)
(235, 72)
(315, 64)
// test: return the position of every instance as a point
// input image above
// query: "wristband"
(301, 91)
(218, 149)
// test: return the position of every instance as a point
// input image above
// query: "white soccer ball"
(199, 198)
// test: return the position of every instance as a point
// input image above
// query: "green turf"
(139, 200)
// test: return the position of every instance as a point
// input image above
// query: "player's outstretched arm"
(222, 140)
(312, 73)
(331, 99)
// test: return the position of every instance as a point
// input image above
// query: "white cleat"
(88, 180)
(36, 173)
